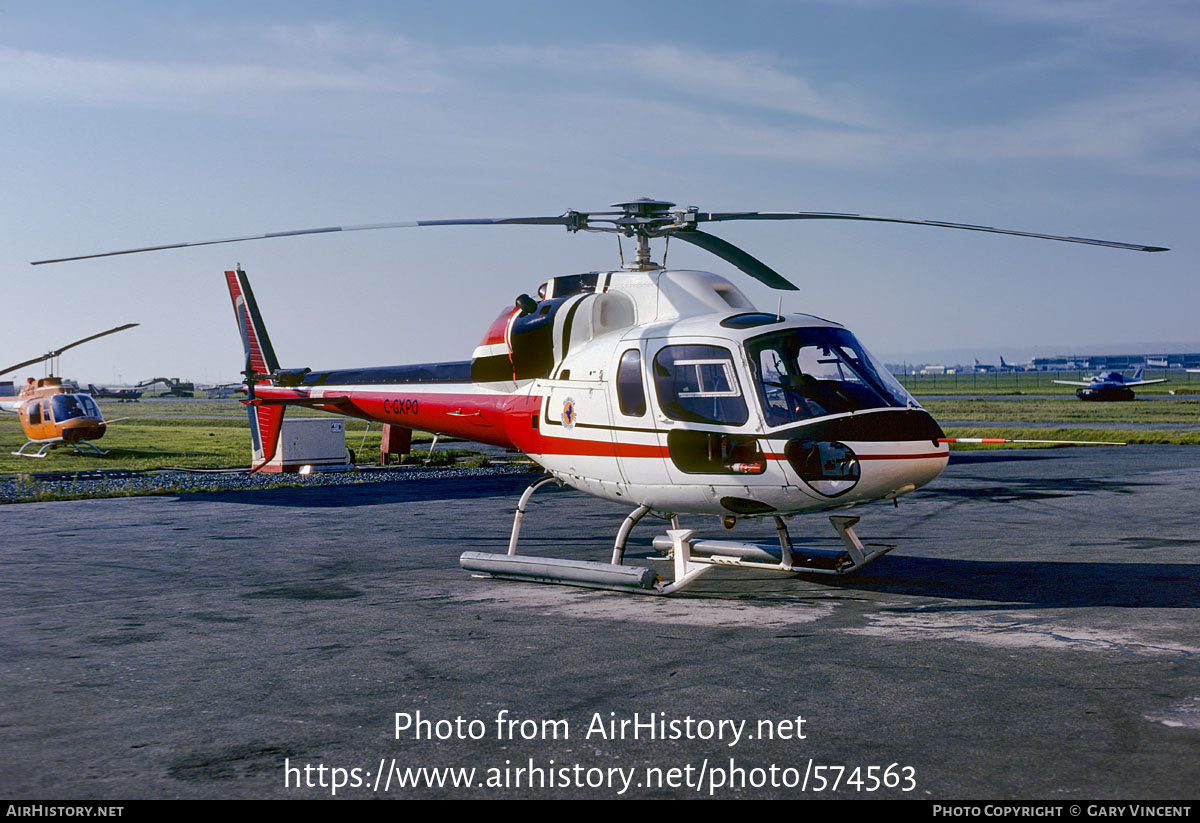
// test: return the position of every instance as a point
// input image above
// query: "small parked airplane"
(1110, 385)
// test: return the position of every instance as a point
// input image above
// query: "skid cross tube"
(520, 515)
(637, 514)
(787, 558)
(785, 542)
(686, 572)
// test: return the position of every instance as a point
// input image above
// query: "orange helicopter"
(54, 412)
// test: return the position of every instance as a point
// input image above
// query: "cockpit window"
(699, 384)
(803, 373)
(68, 406)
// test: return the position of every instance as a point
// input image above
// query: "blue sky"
(141, 123)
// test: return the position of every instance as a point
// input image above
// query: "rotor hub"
(644, 207)
(643, 217)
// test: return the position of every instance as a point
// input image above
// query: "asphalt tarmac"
(1033, 636)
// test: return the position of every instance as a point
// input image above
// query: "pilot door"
(709, 426)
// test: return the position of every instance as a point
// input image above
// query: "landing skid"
(692, 559)
(82, 447)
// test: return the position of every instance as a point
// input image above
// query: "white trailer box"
(309, 445)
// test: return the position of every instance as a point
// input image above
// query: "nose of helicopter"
(867, 456)
(83, 428)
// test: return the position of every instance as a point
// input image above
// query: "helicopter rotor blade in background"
(568, 220)
(26, 363)
(732, 254)
(705, 217)
(57, 352)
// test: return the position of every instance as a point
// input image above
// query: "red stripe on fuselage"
(586, 448)
(502, 420)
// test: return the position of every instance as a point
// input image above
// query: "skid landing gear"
(786, 557)
(82, 447)
(692, 559)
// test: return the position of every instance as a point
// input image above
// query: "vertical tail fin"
(260, 355)
(265, 425)
(261, 363)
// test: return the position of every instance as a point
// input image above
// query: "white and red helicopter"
(662, 389)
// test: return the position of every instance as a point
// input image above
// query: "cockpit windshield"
(68, 406)
(803, 373)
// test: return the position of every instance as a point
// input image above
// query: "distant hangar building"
(1116, 362)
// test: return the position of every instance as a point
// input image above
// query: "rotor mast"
(641, 219)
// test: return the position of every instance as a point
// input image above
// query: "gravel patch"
(117, 483)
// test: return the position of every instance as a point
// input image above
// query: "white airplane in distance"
(1015, 366)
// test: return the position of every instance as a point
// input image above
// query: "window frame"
(733, 406)
(625, 384)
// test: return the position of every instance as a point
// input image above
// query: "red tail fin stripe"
(246, 325)
(270, 421)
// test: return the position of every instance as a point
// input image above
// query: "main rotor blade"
(732, 254)
(704, 217)
(26, 363)
(561, 220)
(57, 352)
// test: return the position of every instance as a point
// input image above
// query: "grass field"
(191, 434)
(205, 434)
(1067, 409)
